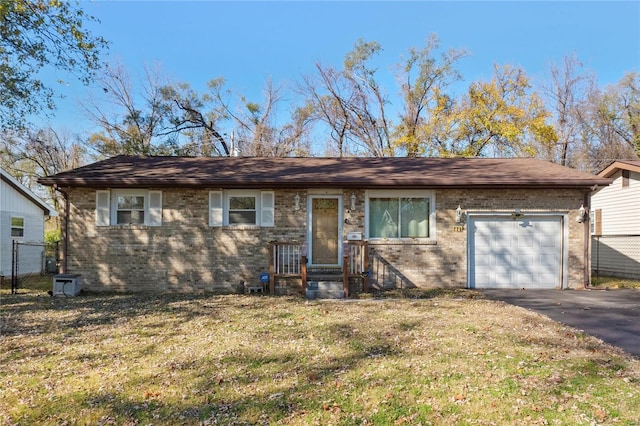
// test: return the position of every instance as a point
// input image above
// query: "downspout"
(64, 231)
(586, 226)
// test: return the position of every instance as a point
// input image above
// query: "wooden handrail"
(272, 278)
(287, 259)
(345, 274)
(303, 270)
(356, 264)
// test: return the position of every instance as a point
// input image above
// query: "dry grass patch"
(201, 359)
(613, 282)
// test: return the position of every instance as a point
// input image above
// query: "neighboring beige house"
(615, 222)
(136, 223)
(22, 215)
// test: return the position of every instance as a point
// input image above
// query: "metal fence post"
(14, 267)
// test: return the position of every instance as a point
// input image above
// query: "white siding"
(620, 206)
(15, 204)
(33, 232)
(13, 201)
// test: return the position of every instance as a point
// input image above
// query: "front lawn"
(245, 360)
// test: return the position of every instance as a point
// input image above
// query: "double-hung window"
(17, 226)
(400, 214)
(128, 207)
(241, 208)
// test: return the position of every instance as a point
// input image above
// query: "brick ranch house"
(135, 223)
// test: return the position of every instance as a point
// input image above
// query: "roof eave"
(193, 183)
(618, 165)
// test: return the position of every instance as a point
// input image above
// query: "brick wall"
(443, 262)
(186, 255)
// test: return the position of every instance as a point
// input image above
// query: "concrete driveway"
(611, 315)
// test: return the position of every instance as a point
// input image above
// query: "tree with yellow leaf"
(499, 118)
(423, 78)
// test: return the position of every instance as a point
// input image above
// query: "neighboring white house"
(22, 215)
(615, 222)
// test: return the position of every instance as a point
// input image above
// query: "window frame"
(626, 176)
(116, 193)
(107, 207)
(242, 194)
(21, 228)
(220, 208)
(399, 195)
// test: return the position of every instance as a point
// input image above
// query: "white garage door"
(521, 253)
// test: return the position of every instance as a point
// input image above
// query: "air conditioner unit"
(67, 284)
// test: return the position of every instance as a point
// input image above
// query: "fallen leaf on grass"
(405, 419)
(150, 394)
(600, 415)
(334, 408)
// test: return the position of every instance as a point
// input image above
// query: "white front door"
(523, 253)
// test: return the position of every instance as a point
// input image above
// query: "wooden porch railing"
(289, 259)
(355, 264)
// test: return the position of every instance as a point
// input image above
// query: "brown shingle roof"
(309, 172)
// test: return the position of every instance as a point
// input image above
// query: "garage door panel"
(483, 260)
(483, 279)
(502, 279)
(502, 268)
(525, 261)
(549, 225)
(524, 253)
(526, 241)
(548, 279)
(484, 240)
(524, 280)
(547, 261)
(548, 242)
(502, 257)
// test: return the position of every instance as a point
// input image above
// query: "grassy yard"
(445, 359)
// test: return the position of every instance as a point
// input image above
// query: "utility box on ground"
(67, 284)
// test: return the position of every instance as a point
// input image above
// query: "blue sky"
(248, 42)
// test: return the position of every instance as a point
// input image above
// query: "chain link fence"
(616, 256)
(33, 265)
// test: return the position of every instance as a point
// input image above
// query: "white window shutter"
(102, 208)
(155, 208)
(267, 207)
(215, 208)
